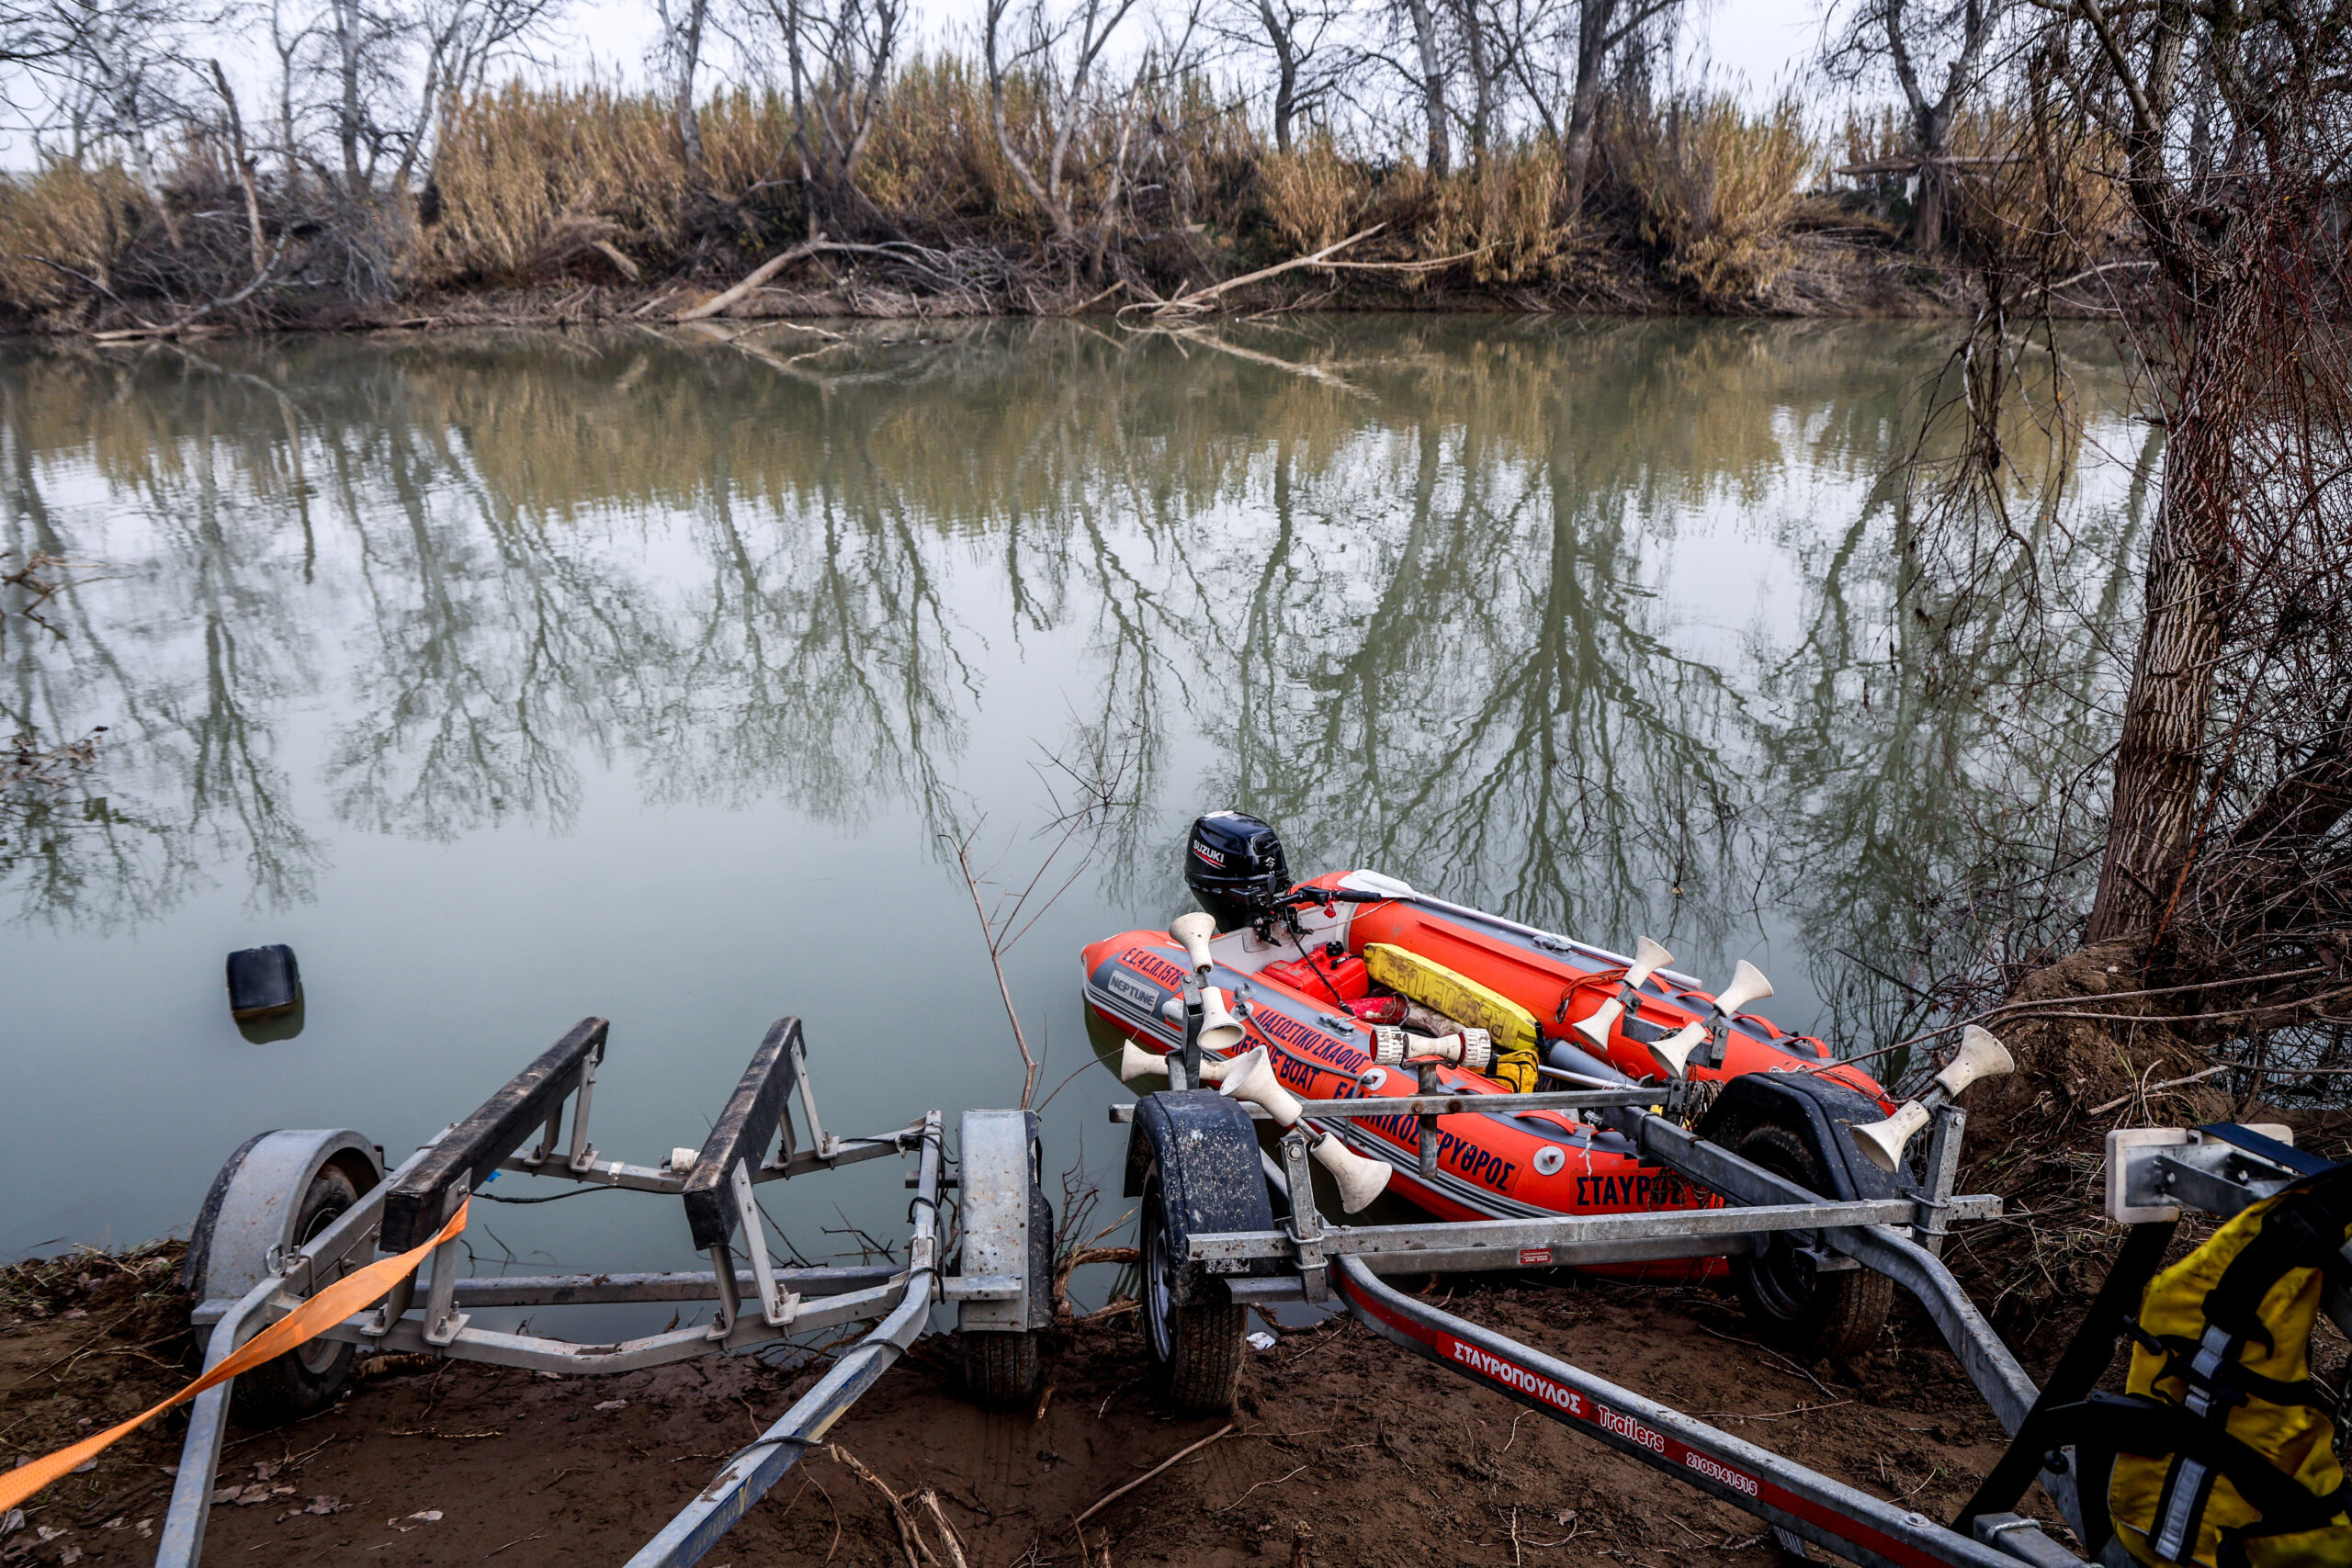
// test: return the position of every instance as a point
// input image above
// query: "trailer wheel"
(1001, 1367)
(1791, 1305)
(1197, 1343)
(306, 1379)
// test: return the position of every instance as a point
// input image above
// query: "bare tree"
(461, 41)
(2230, 787)
(124, 78)
(1489, 45)
(1566, 56)
(1429, 72)
(244, 158)
(1293, 36)
(838, 55)
(1059, 53)
(1904, 39)
(682, 26)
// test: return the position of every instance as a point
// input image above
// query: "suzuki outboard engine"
(1234, 865)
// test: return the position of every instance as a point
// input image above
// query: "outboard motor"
(1234, 865)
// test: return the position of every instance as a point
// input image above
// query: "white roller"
(1748, 984)
(1882, 1142)
(1981, 1055)
(1192, 933)
(1473, 1048)
(1596, 1027)
(1673, 1054)
(1360, 1179)
(1252, 1079)
(1220, 1031)
(1134, 1062)
(1649, 957)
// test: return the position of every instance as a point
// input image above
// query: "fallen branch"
(1079, 1258)
(911, 1540)
(1195, 300)
(930, 1500)
(2121, 1099)
(1432, 264)
(1110, 1497)
(908, 254)
(190, 318)
(749, 286)
(612, 253)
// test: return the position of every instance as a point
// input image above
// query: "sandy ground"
(1344, 1449)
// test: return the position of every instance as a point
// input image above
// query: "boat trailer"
(1229, 1225)
(293, 1212)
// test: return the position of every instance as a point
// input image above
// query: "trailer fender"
(1210, 1175)
(1817, 1110)
(251, 1209)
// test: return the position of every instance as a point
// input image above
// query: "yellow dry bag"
(2223, 1451)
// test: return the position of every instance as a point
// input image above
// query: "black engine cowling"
(1234, 865)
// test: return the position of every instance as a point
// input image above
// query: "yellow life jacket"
(2225, 1452)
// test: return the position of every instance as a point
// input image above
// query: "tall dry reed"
(533, 183)
(1716, 187)
(64, 216)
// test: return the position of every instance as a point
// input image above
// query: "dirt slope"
(1344, 1451)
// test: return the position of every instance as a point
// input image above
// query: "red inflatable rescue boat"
(1338, 974)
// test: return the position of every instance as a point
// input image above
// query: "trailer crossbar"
(747, 1477)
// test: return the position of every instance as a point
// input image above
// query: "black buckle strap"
(2236, 1383)
(2075, 1374)
(2106, 1424)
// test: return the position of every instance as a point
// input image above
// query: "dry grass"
(2049, 194)
(1716, 187)
(1315, 194)
(76, 217)
(534, 185)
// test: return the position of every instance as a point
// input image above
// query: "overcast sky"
(1755, 44)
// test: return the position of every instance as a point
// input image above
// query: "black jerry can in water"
(263, 982)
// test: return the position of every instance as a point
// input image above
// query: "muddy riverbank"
(1343, 1450)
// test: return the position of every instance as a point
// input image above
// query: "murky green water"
(511, 679)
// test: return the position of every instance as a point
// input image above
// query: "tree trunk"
(1927, 206)
(1584, 101)
(2152, 829)
(1927, 210)
(689, 61)
(245, 168)
(1482, 80)
(347, 108)
(1433, 84)
(142, 168)
(1285, 100)
(1278, 39)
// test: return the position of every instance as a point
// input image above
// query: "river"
(512, 678)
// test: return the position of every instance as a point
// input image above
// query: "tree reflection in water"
(1590, 622)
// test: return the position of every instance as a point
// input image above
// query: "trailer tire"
(1793, 1307)
(306, 1379)
(1001, 1367)
(1197, 1343)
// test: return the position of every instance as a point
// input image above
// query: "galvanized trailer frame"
(2218, 1170)
(252, 1268)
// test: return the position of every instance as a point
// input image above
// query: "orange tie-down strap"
(353, 1293)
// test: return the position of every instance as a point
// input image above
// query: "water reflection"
(1594, 622)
